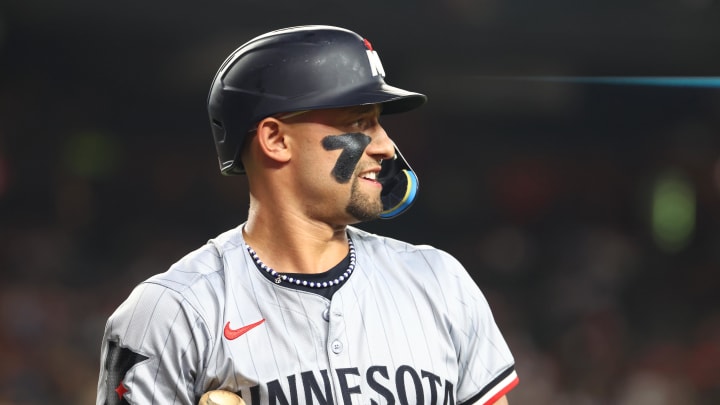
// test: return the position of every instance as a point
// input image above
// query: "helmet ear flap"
(400, 186)
(220, 137)
(228, 124)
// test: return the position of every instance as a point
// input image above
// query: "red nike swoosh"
(231, 334)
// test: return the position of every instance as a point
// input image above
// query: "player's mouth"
(371, 176)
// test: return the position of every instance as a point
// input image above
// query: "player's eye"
(361, 124)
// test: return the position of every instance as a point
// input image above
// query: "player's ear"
(271, 140)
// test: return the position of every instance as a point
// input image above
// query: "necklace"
(279, 278)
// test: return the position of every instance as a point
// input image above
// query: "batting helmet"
(296, 69)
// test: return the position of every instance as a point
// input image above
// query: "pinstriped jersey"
(409, 326)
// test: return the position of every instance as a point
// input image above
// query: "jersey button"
(326, 314)
(336, 346)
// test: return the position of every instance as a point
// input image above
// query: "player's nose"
(381, 147)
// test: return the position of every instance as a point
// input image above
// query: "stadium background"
(588, 213)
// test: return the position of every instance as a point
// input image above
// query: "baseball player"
(297, 306)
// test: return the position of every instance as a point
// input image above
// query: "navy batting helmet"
(305, 68)
(293, 69)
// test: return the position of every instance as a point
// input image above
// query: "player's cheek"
(353, 146)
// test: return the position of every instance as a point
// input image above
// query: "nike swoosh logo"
(232, 334)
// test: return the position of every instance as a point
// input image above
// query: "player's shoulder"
(201, 265)
(195, 283)
(378, 243)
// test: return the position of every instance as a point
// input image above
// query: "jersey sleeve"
(486, 365)
(153, 349)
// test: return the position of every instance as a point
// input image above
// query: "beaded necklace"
(279, 278)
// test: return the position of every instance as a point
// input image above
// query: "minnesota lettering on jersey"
(404, 386)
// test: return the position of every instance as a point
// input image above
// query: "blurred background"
(588, 213)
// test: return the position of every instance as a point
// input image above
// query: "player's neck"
(291, 244)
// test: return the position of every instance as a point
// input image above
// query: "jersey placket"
(345, 378)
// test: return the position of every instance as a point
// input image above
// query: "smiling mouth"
(372, 176)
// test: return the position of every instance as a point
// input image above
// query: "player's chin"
(365, 209)
(365, 203)
(362, 216)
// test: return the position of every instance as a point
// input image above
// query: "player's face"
(339, 159)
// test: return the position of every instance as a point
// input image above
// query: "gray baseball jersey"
(409, 326)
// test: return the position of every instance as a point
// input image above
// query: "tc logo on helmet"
(376, 66)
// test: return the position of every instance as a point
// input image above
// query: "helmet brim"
(393, 99)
